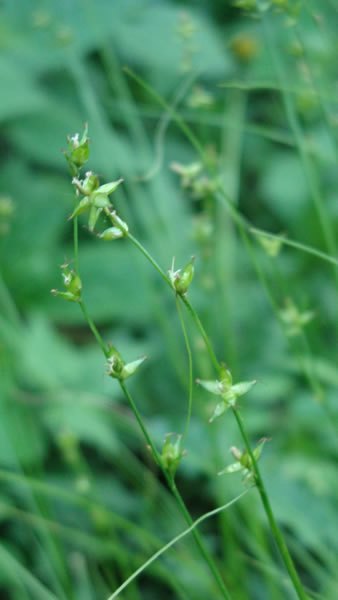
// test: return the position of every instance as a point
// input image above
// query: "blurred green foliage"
(81, 503)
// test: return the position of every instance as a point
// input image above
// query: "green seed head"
(78, 151)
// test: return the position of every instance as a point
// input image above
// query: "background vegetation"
(81, 503)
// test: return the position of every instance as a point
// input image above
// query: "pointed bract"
(215, 387)
(239, 389)
(108, 188)
(82, 206)
(130, 368)
(94, 214)
(221, 407)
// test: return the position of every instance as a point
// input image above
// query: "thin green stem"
(83, 307)
(202, 332)
(183, 298)
(174, 541)
(93, 328)
(149, 257)
(279, 539)
(140, 422)
(172, 486)
(76, 243)
(297, 245)
(170, 110)
(190, 368)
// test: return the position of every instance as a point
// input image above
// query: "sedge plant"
(94, 199)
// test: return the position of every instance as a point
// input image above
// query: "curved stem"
(203, 333)
(204, 551)
(149, 257)
(93, 328)
(176, 539)
(296, 245)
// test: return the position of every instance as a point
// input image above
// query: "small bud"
(115, 363)
(172, 453)
(118, 369)
(244, 461)
(117, 222)
(90, 183)
(72, 283)
(78, 151)
(182, 278)
(228, 391)
(225, 374)
(112, 233)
